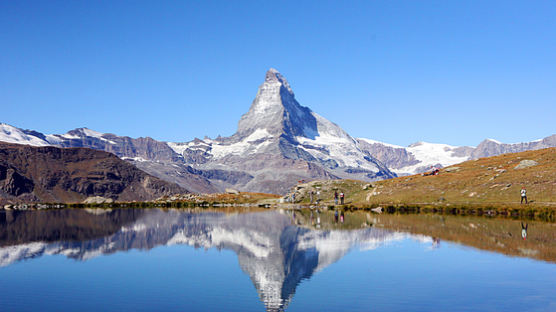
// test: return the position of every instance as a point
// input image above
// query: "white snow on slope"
(495, 141)
(428, 154)
(179, 147)
(91, 133)
(69, 136)
(243, 146)
(219, 150)
(339, 145)
(139, 159)
(379, 142)
(53, 139)
(12, 134)
(431, 154)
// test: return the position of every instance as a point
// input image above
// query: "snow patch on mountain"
(139, 159)
(431, 154)
(70, 136)
(417, 157)
(249, 144)
(92, 133)
(495, 141)
(333, 143)
(53, 139)
(179, 147)
(379, 142)
(12, 134)
(86, 132)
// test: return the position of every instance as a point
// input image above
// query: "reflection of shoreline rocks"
(275, 254)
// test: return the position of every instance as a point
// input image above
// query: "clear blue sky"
(398, 71)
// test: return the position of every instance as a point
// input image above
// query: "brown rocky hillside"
(51, 174)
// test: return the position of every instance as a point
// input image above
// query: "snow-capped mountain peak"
(276, 110)
(274, 76)
(277, 127)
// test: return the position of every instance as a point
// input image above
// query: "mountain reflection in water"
(276, 249)
(276, 254)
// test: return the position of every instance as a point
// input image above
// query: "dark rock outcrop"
(13, 183)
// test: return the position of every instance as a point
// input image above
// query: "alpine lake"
(256, 259)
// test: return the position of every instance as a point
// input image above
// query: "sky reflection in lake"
(144, 260)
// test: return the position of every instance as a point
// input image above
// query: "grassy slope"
(491, 180)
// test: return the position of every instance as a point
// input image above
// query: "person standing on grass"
(523, 195)
(341, 198)
(335, 197)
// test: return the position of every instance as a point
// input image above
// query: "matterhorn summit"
(276, 110)
(280, 142)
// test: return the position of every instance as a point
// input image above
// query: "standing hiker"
(341, 198)
(311, 195)
(523, 195)
(335, 197)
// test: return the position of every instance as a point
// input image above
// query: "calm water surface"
(163, 260)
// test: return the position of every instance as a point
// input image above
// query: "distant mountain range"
(421, 156)
(278, 143)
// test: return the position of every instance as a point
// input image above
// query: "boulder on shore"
(232, 191)
(98, 200)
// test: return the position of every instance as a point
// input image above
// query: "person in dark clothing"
(335, 197)
(336, 216)
(341, 198)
